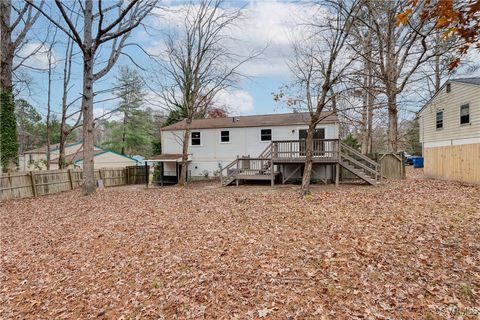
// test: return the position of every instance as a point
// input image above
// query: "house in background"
(259, 147)
(103, 158)
(450, 132)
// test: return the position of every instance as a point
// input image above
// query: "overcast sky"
(264, 24)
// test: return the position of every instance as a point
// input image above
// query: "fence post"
(34, 187)
(146, 174)
(10, 182)
(71, 178)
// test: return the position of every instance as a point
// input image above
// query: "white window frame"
(460, 114)
(271, 135)
(191, 139)
(443, 119)
(220, 136)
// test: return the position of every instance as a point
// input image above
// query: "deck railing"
(323, 149)
(254, 166)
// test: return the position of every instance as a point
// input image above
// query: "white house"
(450, 132)
(215, 143)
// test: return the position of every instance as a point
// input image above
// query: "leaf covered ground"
(406, 250)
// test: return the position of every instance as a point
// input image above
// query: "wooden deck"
(294, 151)
(331, 152)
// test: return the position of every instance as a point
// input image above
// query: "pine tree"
(133, 134)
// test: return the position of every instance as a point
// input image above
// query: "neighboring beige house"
(450, 132)
(103, 158)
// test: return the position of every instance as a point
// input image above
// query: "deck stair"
(328, 151)
(360, 165)
(247, 168)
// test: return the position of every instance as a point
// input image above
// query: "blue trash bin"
(417, 162)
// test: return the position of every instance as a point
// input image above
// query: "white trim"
(220, 137)
(191, 137)
(453, 142)
(260, 135)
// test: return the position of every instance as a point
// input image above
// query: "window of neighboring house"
(225, 136)
(449, 87)
(439, 122)
(30, 159)
(196, 138)
(266, 135)
(465, 114)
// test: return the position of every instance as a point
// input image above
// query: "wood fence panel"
(15, 185)
(113, 177)
(459, 163)
(52, 181)
(37, 183)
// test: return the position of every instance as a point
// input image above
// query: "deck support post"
(337, 174)
(163, 173)
(238, 170)
(272, 174)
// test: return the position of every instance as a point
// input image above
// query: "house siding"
(450, 104)
(453, 152)
(212, 153)
(110, 160)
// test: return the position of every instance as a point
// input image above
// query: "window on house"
(465, 114)
(266, 135)
(30, 159)
(439, 122)
(449, 87)
(196, 138)
(225, 136)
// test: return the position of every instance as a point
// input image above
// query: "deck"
(268, 165)
(294, 151)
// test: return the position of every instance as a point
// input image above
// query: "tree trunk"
(437, 65)
(89, 185)
(364, 124)
(392, 122)
(124, 133)
(6, 52)
(371, 101)
(61, 151)
(49, 91)
(307, 173)
(186, 141)
(8, 130)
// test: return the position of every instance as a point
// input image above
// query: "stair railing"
(352, 155)
(266, 154)
(229, 166)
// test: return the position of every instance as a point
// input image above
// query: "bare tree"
(11, 26)
(321, 59)
(399, 50)
(199, 64)
(113, 26)
(65, 130)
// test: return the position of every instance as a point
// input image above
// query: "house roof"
(253, 121)
(53, 147)
(43, 149)
(471, 81)
(475, 81)
(77, 156)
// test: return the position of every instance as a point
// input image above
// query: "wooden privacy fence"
(457, 162)
(37, 183)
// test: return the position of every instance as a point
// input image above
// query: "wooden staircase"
(260, 168)
(247, 168)
(360, 165)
